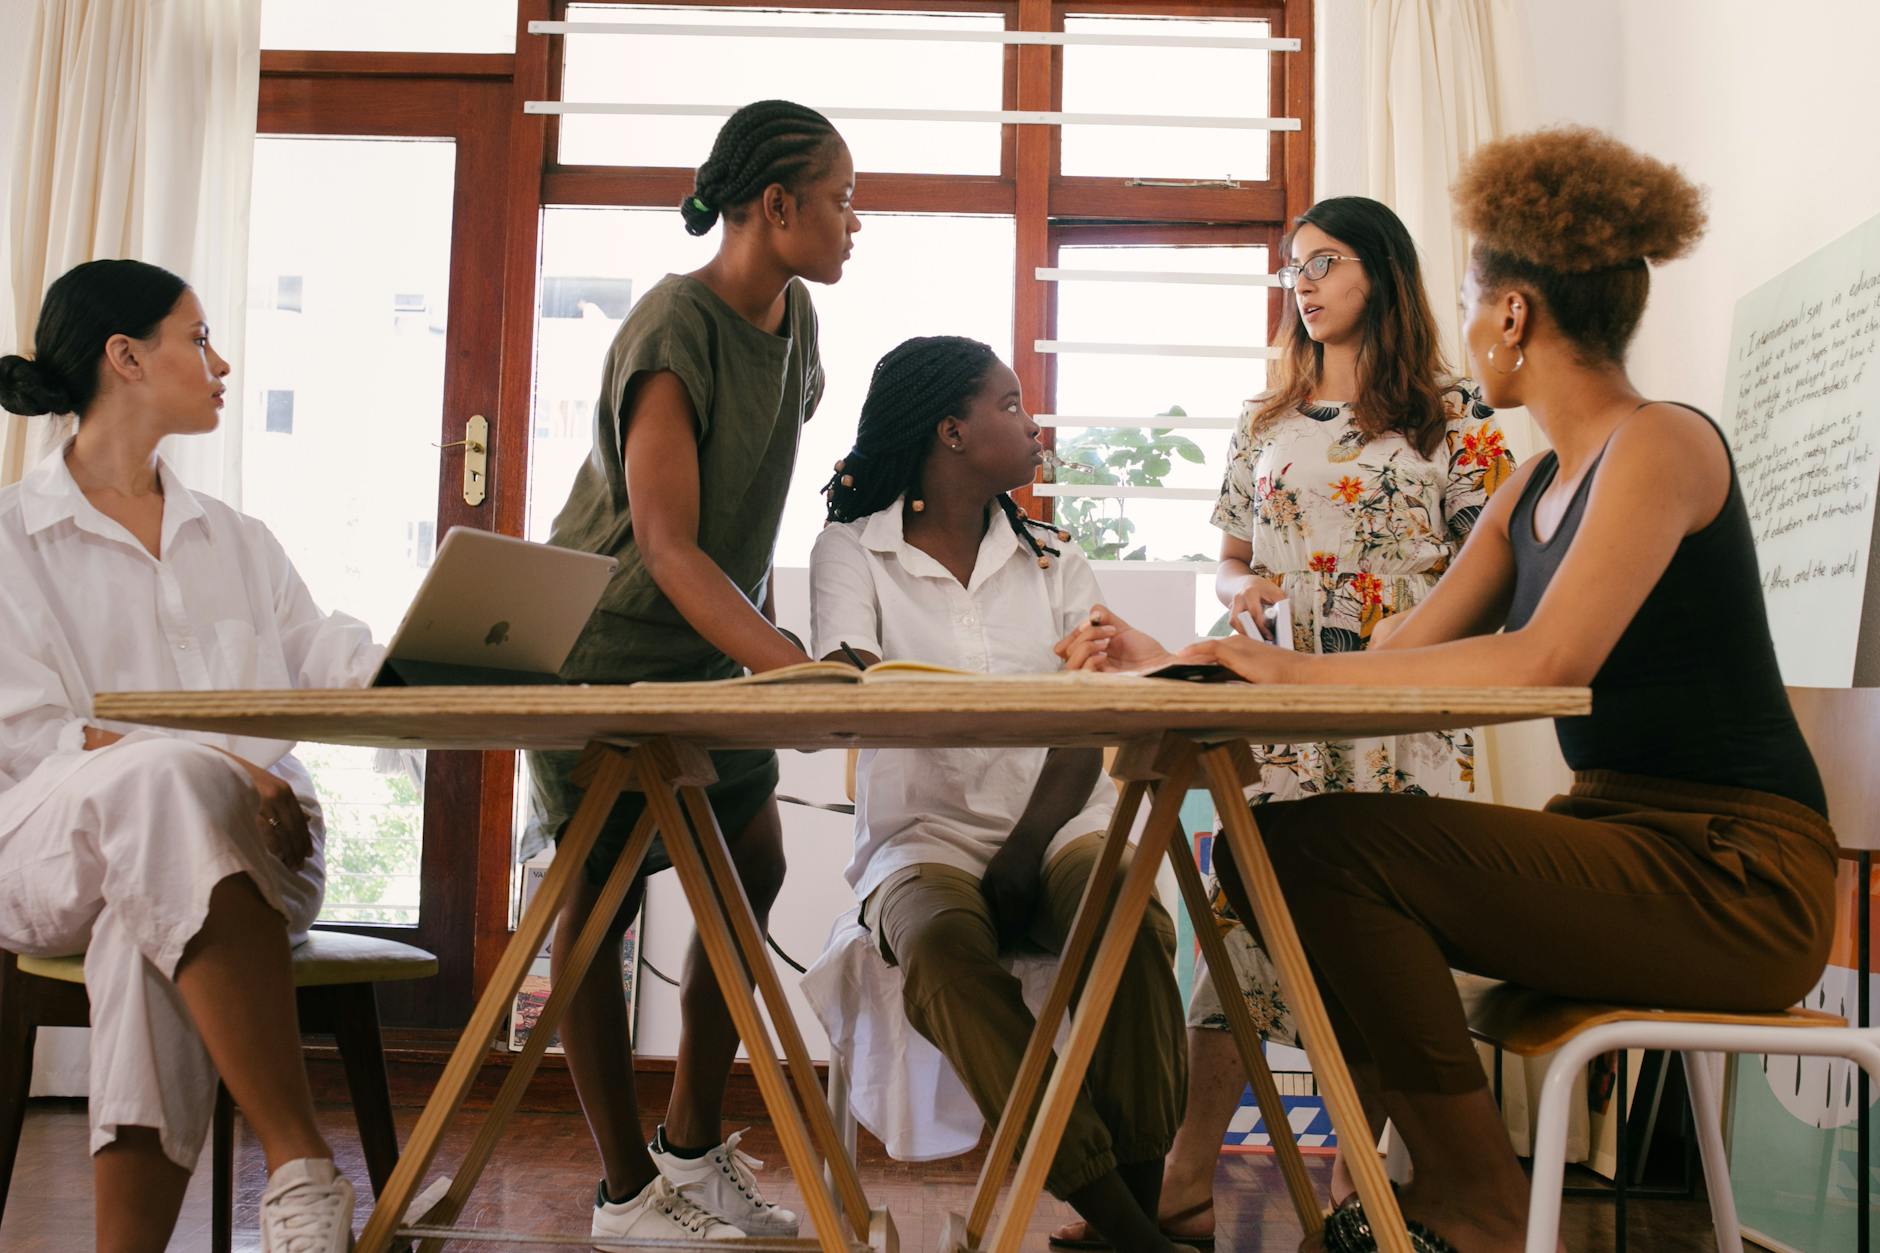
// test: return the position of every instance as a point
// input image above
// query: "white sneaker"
(307, 1208)
(722, 1181)
(659, 1212)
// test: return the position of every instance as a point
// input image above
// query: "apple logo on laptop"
(499, 634)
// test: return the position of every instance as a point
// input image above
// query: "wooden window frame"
(366, 93)
(1027, 188)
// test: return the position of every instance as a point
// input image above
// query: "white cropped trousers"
(116, 857)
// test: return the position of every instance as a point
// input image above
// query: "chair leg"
(1549, 1132)
(17, 1035)
(839, 1111)
(1707, 1113)
(354, 1018)
(222, 1174)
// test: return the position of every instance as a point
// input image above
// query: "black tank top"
(1691, 691)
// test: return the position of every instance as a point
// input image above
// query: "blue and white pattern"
(1312, 1126)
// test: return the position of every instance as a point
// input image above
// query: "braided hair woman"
(962, 854)
(703, 395)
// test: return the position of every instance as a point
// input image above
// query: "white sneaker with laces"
(659, 1212)
(307, 1208)
(722, 1181)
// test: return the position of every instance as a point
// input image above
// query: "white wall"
(1771, 111)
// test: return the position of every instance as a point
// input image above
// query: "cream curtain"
(1443, 77)
(134, 138)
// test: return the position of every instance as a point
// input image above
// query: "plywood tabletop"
(983, 710)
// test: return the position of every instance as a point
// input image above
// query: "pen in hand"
(855, 658)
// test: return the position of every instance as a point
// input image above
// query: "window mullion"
(1038, 71)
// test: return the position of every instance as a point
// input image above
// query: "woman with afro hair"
(1691, 864)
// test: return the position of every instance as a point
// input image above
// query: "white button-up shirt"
(875, 592)
(86, 609)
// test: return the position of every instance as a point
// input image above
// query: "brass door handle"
(476, 458)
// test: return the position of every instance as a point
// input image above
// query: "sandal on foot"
(1347, 1230)
(1204, 1243)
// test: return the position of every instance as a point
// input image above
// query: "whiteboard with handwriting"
(1802, 412)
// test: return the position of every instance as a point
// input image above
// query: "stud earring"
(918, 506)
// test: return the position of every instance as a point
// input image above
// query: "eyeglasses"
(1315, 269)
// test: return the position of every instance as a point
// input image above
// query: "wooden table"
(654, 738)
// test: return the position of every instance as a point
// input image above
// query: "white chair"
(916, 1106)
(883, 1074)
(1841, 725)
(1528, 1023)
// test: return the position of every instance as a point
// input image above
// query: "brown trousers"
(1628, 889)
(934, 923)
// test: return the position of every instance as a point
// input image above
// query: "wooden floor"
(542, 1180)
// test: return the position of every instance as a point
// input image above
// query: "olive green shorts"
(746, 780)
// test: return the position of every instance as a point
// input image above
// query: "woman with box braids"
(961, 854)
(916, 390)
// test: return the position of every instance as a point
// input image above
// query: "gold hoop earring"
(1520, 359)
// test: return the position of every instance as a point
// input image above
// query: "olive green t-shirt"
(752, 391)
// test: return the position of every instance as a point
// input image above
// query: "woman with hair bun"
(1696, 828)
(181, 865)
(703, 397)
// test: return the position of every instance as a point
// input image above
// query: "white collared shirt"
(86, 609)
(875, 592)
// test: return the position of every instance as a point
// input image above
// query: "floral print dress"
(1355, 530)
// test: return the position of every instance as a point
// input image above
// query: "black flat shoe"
(1347, 1230)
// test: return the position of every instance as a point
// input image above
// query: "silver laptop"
(494, 609)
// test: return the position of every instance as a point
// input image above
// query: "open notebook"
(843, 672)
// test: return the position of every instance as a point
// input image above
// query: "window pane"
(352, 385)
(1140, 529)
(401, 26)
(1124, 386)
(825, 73)
(1210, 82)
(887, 294)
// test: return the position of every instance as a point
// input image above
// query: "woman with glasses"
(1351, 484)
